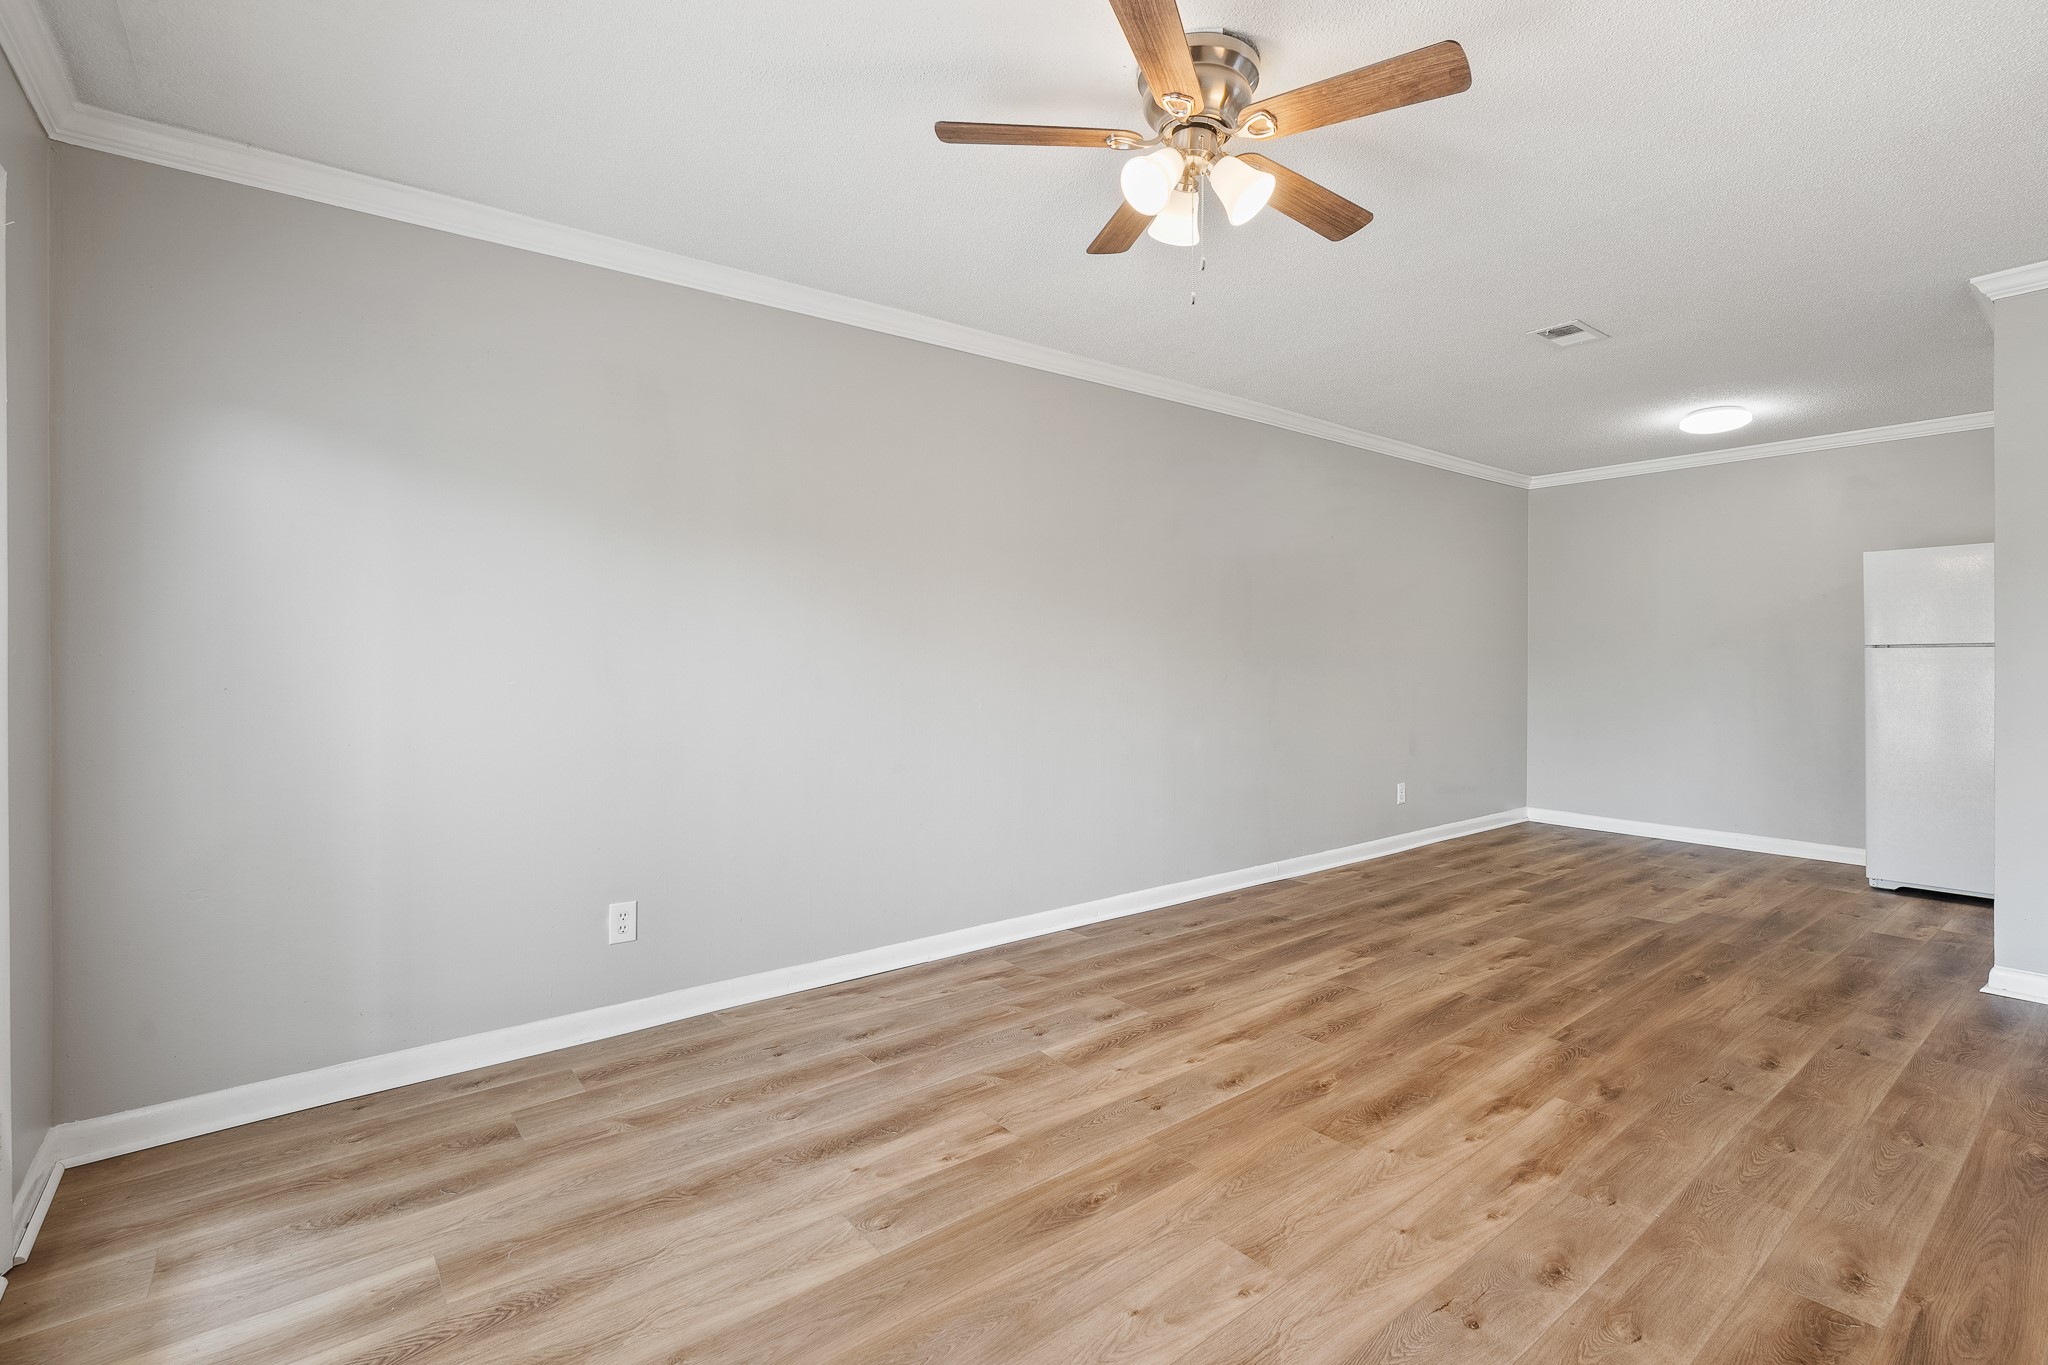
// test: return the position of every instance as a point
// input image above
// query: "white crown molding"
(2019, 985)
(30, 47)
(1903, 431)
(38, 64)
(1713, 838)
(87, 1140)
(2021, 279)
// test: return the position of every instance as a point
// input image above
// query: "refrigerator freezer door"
(1940, 596)
(1928, 767)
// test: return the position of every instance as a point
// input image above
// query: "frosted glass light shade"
(1712, 421)
(1147, 180)
(1177, 224)
(1242, 189)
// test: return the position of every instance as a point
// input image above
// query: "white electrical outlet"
(1400, 793)
(622, 922)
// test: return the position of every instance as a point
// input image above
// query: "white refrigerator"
(1928, 679)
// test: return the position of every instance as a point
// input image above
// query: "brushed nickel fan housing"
(1228, 69)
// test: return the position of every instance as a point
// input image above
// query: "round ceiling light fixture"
(1713, 421)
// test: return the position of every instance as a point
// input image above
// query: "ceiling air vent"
(1573, 333)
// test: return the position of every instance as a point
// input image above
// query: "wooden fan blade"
(1425, 74)
(1119, 232)
(1160, 43)
(1035, 135)
(1308, 203)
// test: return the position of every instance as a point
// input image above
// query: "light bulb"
(1177, 224)
(1148, 179)
(1712, 421)
(1243, 189)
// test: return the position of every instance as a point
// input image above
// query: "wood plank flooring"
(1537, 1095)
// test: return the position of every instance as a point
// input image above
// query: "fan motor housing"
(1228, 68)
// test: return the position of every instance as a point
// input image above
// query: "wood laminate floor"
(1533, 1096)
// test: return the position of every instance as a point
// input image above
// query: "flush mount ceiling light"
(1199, 90)
(1713, 421)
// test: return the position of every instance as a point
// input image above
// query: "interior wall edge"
(1713, 838)
(82, 1141)
(29, 921)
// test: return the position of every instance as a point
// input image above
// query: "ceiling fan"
(1201, 88)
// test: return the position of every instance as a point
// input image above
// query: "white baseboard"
(2011, 981)
(32, 1200)
(87, 1140)
(1715, 838)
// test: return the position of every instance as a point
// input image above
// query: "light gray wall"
(25, 153)
(2021, 388)
(418, 597)
(1695, 636)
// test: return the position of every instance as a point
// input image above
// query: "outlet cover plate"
(622, 922)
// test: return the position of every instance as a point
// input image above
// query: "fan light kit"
(1199, 90)
(1714, 421)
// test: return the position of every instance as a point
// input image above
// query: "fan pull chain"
(1201, 256)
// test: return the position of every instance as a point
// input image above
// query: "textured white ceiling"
(1766, 203)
